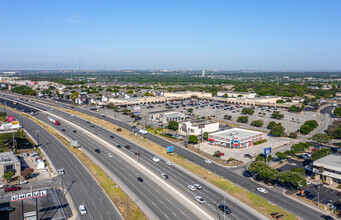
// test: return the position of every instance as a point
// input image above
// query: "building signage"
(267, 151)
(201, 126)
(28, 214)
(30, 218)
(28, 195)
(10, 118)
(14, 198)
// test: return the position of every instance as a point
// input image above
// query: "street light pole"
(37, 133)
(225, 201)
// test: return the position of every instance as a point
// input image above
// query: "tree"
(190, 110)
(227, 117)
(217, 154)
(280, 101)
(320, 153)
(321, 138)
(225, 96)
(261, 157)
(74, 96)
(243, 119)
(277, 131)
(337, 111)
(193, 139)
(173, 125)
(294, 108)
(8, 176)
(281, 155)
(277, 115)
(126, 111)
(312, 123)
(248, 111)
(257, 123)
(27, 173)
(205, 135)
(298, 170)
(272, 124)
(305, 129)
(293, 135)
(264, 170)
(291, 177)
(130, 92)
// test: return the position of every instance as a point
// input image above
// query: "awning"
(210, 139)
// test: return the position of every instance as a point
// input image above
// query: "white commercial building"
(331, 168)
(251, 95)
(197, 127)
(235, 138)
(167, 116)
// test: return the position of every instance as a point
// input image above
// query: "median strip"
(124, 204)
(256, 202)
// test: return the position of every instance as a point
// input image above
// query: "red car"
(137, 154)
(12, 188)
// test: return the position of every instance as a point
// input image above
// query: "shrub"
(27, 173)
(193, 139)
(257, 123)
(260, 142)
(243, 119)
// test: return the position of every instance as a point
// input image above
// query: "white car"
(308, 182)
(262, 190)
(191, 187)
(197, 186)
(200, 199)
(208, 161)
(156, 159)
(23, 182)
(61, 171)
(168, 163)
(82, 210)
(110, 155)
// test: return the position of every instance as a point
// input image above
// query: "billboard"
(137, 110)
(10, 118)
(267, 151)
(170, 149)
(10, 126)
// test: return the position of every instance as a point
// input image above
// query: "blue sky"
(161, 34)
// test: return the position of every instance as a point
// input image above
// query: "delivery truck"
(54, 121)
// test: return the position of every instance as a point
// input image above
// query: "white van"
(156, 159)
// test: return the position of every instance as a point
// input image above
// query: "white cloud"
(76, 19)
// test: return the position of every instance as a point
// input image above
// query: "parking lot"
(51, 206)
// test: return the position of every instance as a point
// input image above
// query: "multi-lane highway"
(178, 177)
(77, 180)
(273, 196)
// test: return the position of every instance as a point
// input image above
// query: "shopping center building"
(235, 138)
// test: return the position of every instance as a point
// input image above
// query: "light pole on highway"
(61, 179)
(22, 125)
(225, 201)
(37, 133)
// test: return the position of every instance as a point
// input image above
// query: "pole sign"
(267, 151)
(170, 149)
(28, 195)
(137, 110)
(10, 118)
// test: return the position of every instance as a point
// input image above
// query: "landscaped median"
(125, 205)
(258, 203)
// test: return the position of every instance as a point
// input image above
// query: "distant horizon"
(176, 35)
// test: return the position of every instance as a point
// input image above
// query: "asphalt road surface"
(77, 180)
(273, 196)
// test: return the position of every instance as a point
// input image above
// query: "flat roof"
(240, 133)
(331, 161)
(8, 158)
(163, 111)
(198, 122)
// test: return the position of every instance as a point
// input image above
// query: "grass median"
(125, 205)
(258, 203)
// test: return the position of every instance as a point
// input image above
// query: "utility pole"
(225, 200)
(37, 133)
(13, 141)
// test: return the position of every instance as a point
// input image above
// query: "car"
(82, 210)
(103, 116)
(118, 146)
(168, 163)
(208, 161)
(45, 169)
(308, 182)
(156, 159)
(338, 194)
(327, 217)
(23, 182)
(74, 131)
(61, 171)
(110, 155)
(92, 126)
(165, 176)
(191, 187)
(88, 122)
(63, 130)
(200, 199)
(247, 155)
(197, 186)
(2, 185)
(7, 209)
(137, 154)
(97, 150)
(127, 147)
(224, 208)
(262, 190)
(111, 136)
(140, 179)
(318, 186)
(311, 196)
(12, 188)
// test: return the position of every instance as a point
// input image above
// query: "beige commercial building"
(9, 162)
(197, 127)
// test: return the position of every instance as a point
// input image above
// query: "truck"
(142, 131)
(54, 121)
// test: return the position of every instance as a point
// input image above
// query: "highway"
(273, 196)
(77, 180)
(178, 177)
